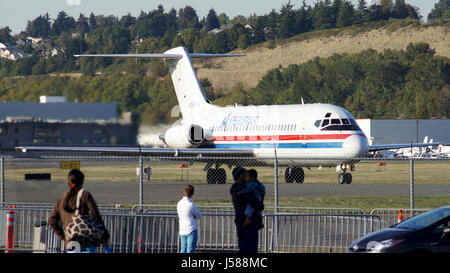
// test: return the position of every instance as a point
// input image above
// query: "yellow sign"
(69, 165)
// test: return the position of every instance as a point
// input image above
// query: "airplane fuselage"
(313, 134)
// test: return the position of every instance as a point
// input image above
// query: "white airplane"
(430, 151)
(299, 136)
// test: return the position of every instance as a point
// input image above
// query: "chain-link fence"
(127, 181)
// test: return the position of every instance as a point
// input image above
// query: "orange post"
(400, 216)
(10, 230)
(139, 243)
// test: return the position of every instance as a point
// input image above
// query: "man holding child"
(248, 200)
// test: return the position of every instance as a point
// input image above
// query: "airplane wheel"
(211, 176)
(299, 175)
(348, 178)
(341, 178)
(221, 176)
(345, 178)
(289, 175)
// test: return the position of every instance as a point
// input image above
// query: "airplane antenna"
(303, 101)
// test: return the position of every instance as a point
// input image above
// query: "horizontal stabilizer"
(374, 148)
(206, 55)
(190, 95)
(159, 56)
(198, 152)
(155, 56)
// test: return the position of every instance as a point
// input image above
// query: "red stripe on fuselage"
(283, 137)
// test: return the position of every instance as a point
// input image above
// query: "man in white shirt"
(187, 214)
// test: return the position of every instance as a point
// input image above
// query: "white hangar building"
(399, 131)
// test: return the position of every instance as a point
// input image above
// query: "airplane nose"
(356, 146)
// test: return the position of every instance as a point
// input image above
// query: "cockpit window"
(317, 123)
(345, 121)
(349, 127)
(328, 115)
(335, 121)
(325, 122)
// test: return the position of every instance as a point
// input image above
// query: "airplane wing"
(197, 152)
(374, 148)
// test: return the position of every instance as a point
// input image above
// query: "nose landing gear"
(345, 177)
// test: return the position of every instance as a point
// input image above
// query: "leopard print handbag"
(84, 229)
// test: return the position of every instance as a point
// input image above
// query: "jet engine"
(182, 136)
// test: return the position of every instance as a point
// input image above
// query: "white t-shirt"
(187, 213)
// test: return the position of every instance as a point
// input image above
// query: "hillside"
(227, 72)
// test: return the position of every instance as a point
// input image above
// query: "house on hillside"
(10, 52)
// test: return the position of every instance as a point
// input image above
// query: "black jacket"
(240, 203)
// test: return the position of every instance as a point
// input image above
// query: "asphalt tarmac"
(161, 192)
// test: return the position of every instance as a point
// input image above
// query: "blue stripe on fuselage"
(316, 145)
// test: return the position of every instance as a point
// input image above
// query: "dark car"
(427, 232)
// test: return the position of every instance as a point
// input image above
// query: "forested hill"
(409, 83)
(395, 35)
(405, 74)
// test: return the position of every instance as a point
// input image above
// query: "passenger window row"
(255, 127)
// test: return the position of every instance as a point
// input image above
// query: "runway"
(162, 192)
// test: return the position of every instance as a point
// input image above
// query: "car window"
(426, 219)
(439, 229)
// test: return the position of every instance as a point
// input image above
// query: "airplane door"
(302, 132)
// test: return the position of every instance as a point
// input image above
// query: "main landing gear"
(214, 176)
(294, 174)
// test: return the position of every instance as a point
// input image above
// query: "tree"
(63, 23)
(323, 15)
(259, 35)
(223, 19)
(82, 25)
(415, 50)
(187, 18)
(399, 10)
(386, 8)
(441, 10)
(286, 26)
(271, 25)
(345, 15)
(186, 38)
(413, 12)
(171, 21)
(212, 21)
(127, 20)
(362, 13)
(303, 19)
(39, 27)
(5, 35)
(92, 21)
(153, 24)
(375, 13)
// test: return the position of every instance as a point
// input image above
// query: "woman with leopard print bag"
(78, 213)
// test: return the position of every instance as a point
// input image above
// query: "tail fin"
(189, 92)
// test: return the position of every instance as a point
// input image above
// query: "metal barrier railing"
(316, 233)
(158, 232)
(150, 208)
(389, 217)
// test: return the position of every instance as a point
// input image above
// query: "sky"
(16, 13)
